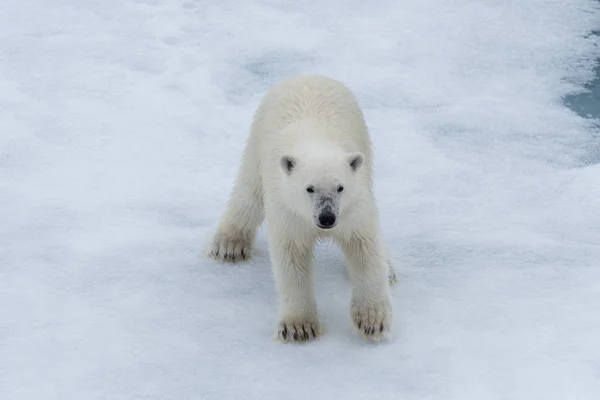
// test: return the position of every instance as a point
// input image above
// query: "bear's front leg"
(292, 268)
(371, 306)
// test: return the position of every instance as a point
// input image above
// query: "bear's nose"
(326, 219)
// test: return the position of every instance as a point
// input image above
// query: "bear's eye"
(340, 189)
(310, 189)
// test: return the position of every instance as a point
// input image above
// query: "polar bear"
(307, 167)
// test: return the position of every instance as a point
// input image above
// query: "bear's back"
(310, 104)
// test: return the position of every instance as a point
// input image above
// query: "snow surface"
(121, 126)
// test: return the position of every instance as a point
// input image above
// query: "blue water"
(588, 106)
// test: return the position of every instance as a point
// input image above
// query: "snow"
(121, 126)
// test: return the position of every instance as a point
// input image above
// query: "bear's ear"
(355, 160)
(288, 163)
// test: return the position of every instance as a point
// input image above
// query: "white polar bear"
(307, 166)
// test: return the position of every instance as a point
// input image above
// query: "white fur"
(310, 131)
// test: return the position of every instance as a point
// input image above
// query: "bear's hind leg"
(392, 277)
(243, 215)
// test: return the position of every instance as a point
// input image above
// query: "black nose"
(326, 219)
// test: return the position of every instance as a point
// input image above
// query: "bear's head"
(321, 188)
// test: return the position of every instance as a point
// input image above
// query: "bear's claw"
(392, 279)
(371, 321)
(298, 332)
(230, 250)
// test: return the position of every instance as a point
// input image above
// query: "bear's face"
(320, 189)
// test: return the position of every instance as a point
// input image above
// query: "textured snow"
(121, 127)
